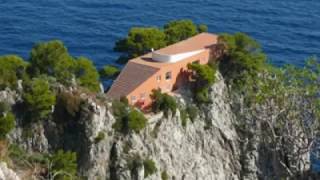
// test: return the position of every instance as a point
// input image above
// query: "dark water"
(288, 30)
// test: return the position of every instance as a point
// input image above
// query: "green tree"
(52, 58)
(136, 121)
(7, 123)
(12, 68)
(204, 77)
(242, 56)
(202, 28)
(179, 30)
(87, 75)
(109, 72)
(140, 41)
(38, 99)
(63, 165)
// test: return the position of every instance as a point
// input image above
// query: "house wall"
(179, 76)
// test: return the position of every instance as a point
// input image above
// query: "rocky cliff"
(206, 149)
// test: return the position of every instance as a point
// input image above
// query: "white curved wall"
(173, 58)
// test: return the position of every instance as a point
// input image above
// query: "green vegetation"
(164, 175)
(141, 40)
(12, 68)
(87, 75)
(109, 72)
(52, 58)
(38, 99)
(192, 112)
(204, 77)
(7, 123)
(149, 167)
(67, 105)
(184, 117)
(202, 28)
(64, 165)
(163, 102)
(242, 56)
(127, 118)
(99, 137)
(179, 30)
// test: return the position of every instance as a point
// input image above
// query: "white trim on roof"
(175, 57)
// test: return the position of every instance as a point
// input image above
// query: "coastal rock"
(205, 149)
(6, 173)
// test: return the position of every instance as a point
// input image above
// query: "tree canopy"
(38, 99)
(12, 68)
(242, 55)
(140, 40)
(52, 58)
(87, 75)
(7, 123)
(63, 165)
(179, 30)
(109, 72)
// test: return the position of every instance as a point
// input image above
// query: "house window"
(168, 75)
(158, 78)
(133, 99)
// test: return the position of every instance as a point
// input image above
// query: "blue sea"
(289, 31)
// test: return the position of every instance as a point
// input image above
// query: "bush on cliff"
(38, 99)
(109, 72)
(149, 167)
(163, 102)
(242, 56)
(127, 118)
(87, 74)
(63, 165)
(7, 123)
(204, 77)
(12, 68)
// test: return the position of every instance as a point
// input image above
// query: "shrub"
(64, 165)
(204, 77)
(127, 118)
(67, 106)
(192, 112)
(242, 56)
(149, 167)
(87, 74)
(99, 137)
(136, 121)
(38, 99)
(7, 123)
(164, 175)
(184, 117)
(109, 72)
(202, 28)
(12, 68)
(163, 102)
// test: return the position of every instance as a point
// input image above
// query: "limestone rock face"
(205, 150)
(6, 173)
